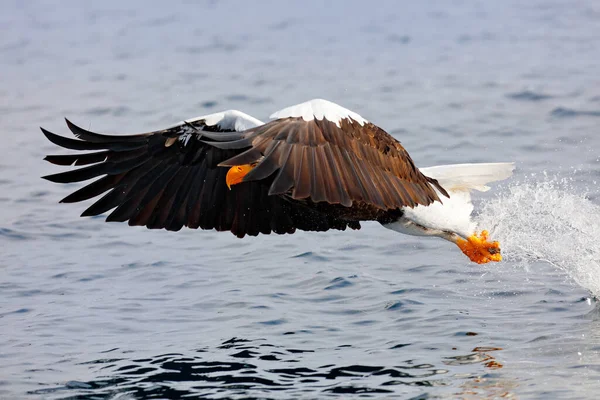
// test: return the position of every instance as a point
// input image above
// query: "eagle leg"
(479, 249)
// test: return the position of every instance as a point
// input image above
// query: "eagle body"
(315, 166)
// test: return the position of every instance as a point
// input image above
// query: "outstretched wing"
(338, 162)
(171, 178)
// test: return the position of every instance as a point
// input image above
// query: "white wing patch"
(226, 120)
(230, 120)
(319, 109)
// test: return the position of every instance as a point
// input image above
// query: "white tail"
(465, 177)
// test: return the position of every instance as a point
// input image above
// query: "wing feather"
(302, 182)
(338, 190)
(336, 163)
(173, 178)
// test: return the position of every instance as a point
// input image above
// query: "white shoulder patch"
(318, 109)
(229, 120)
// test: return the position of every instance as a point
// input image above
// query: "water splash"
(549, 220)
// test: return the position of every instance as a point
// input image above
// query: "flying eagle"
(316, 166)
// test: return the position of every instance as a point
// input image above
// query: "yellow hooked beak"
(236, 174)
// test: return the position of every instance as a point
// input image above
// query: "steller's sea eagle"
(316, 166)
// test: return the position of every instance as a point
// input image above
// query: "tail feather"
(466, 177)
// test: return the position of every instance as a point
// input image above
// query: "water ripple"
(528, 95)
(564, 112)
(177, 375)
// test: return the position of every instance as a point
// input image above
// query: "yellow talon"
(237, 173)
(479, 249)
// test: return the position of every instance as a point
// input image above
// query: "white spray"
(548, 220)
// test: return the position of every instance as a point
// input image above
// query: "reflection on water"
(256, 368)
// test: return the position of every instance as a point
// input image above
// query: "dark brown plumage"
(310, 175)
(319, 161)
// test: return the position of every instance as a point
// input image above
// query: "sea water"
(95, 310)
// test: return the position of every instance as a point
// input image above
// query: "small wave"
(548, 220)
(564, 112)
(528, 95)
(117, 111)
(312, 256)
(13, 235)
(209, 104)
